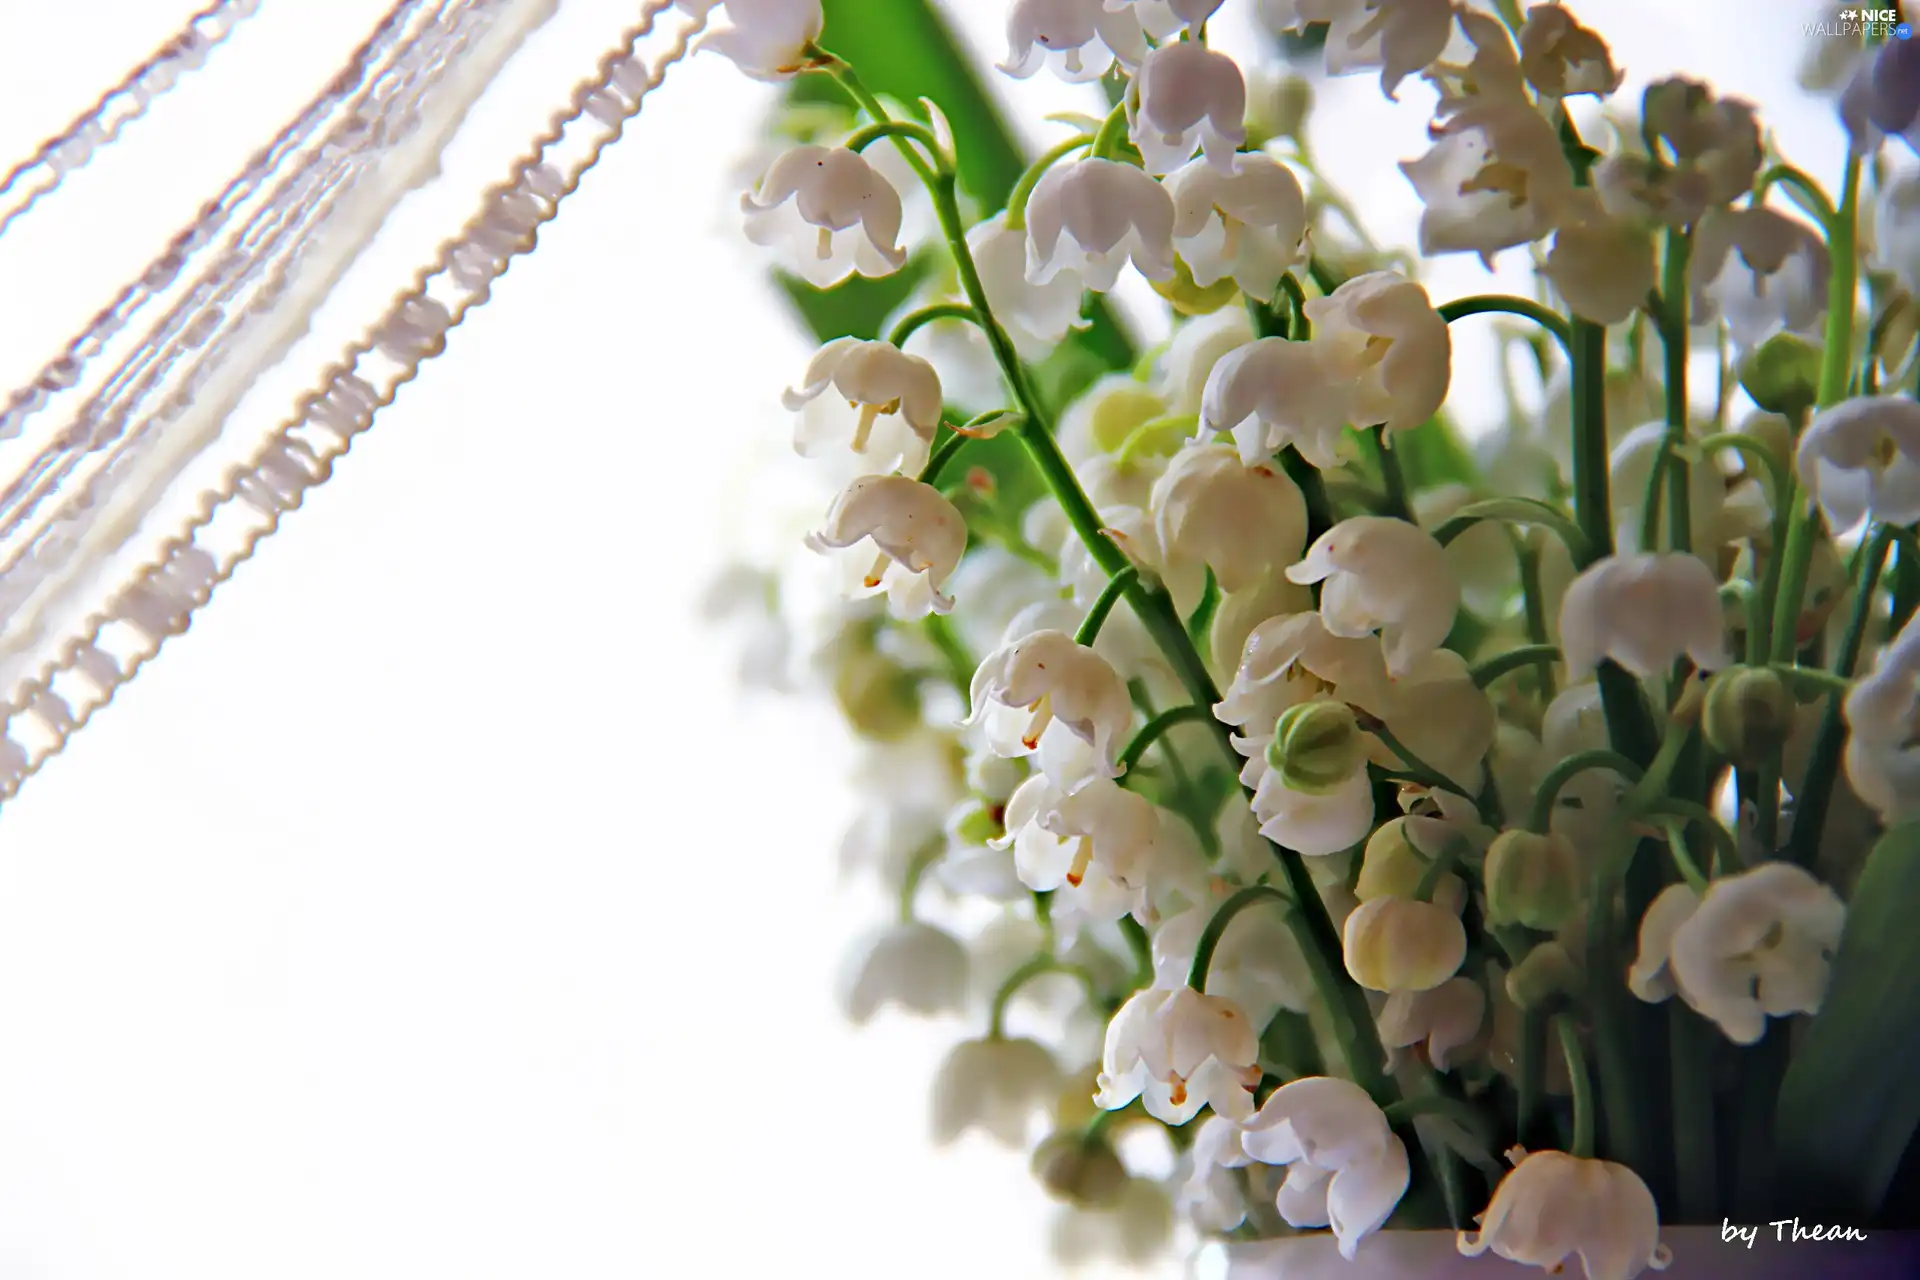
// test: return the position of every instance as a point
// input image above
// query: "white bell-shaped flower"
(1883, 719)
(1189, 98)
(1492, 72)
(1271, 393)
(1399, 37)
(892, 405)
(996, 1084)
(1553, 1206)
(1076, 39)
(1035, 316)
(1345, 1166)
(915, 966)
(1211, 1197)
(917, 534)
(1091, 217)
(1043, 693)
(1758, 945)
(1602, 265)
(1162, 18)
(1289, 659)
(1257, 963)
(1437, 711)
(1496, 177)
(1063, 837)
(1313, 824)
(1247, 222)
(1716, 141)
(1387, 576)
(766, 39)
(1445, 1019)
(1180, 1051)
(829, 213)
(1861, 458)
(1896, 230)
(1761, 271)
(1644, 611)
(1561, 58)
(1242, 522)
(1197, 349)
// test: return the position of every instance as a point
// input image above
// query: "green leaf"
(1850, 1101)
(1432, 454)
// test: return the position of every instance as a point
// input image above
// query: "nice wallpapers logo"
(1884, 24)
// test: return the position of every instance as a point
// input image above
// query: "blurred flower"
(1861, 458)
(1445, 1019)
(767, 39)
(1563, 58)
(1883, 714)
(915, 966)
(1644, 611)
(1399, 37)
(1496, 177)
(995, 1084)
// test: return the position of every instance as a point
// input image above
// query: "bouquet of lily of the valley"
(1328, 821)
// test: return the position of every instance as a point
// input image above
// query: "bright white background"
(434, 908)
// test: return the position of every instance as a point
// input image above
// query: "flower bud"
(1547, 974)
(1749, 714)
(1393, 866)
(878, 697)
(1397, 944)
(1081, 1170)
(1782, 375)
(1532, 880)
(978, 824)
(1120, 410)
(1188, 298)
(1278, 106)
(1316, 746)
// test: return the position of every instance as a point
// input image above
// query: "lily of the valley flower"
(1247, 221)
(1445, 1019)
(1758, 945)
(1602, 265)
(1379, 354)
(1882, 97)
(1715, 140)
(1077, 39)
(1242, 522)
(1387, 576)
(1896, 228)
(1035, 316)
(915, 966)
(997, 1085)
(1180, 1051)
(1090, 217)
(1644, 611)
(1211, 1195)
(1400, 37)
(830, 214)
(1043, 693)
(1190, 98)
(892, 404)
(1345, 1166)
(767, 39)
(1496, 177)
(1554, 1206)
(919, 537)
(1629, 467)
(1883, 716)
(1161, 18)
(1562, 58)
(1765, 273)
(1112, 843)
(1861, 458)
(1402, 944)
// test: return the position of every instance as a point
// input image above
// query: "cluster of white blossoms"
(1271, 758)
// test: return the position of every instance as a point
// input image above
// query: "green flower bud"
(1277, 108)
(1749, 714)
(878, 697)
(1119, 411)
(1393, 866)
(1316, 746)
(1188, 298)
(1532, 880)
(1546, 976)
(1782, 376)
(1078, 1169)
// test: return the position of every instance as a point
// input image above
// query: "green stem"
(1142, 947)
(1836, 364)
(1592, 499)
(1724, 843)
(1815, 792)
(848, 79)
(1034, 968)
(1113, 131)
(1023, 189)
(943, 453)
(922, 860)
(1109, 596)
(1416, 766)
(903, 131)
(1813, 199)
(1301, 328)
(1673, 342)
(1779, 478)
(914, 321)
(1507, 304)
(960, 664)
(1217, 926)
(1682, 860)
(1534, 599)
(1531, 655)
(1695, 1151)
(1582, 1086)
(1540, 817)
(1157, 726)
(1391, 476)
(1517, 511)
(1463, 1113)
